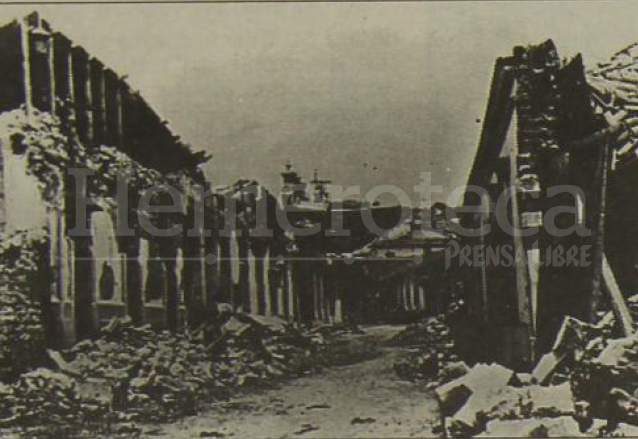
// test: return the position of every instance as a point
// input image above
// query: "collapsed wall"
(550, 139)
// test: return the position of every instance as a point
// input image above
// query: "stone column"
(287, 290)
(135, 282)
(81, 94)
(421, 296)
(85, 310)
(225, 270)
(96, 69)
(274, 291)
(172, 289)
(259, 254)
(243, 250)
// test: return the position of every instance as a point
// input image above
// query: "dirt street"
(361, 399)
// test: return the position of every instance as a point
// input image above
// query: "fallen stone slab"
(61, 364)
(546, 367)
(513, 403)
(273, 323)
(501, 402)
(625, 430)
(523, 379)
(452, 371)
(550, 401)
(452, 396)
(616, 353)
(570, 337)
(480, 380)
(563, 426)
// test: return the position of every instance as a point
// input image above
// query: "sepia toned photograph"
(263, 219)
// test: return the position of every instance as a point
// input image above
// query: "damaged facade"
(550, 125)
(324, 234)
(63, 109)
(403, 271)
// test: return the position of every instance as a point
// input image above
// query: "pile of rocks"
(135, 374)
(587, 385)
(432, 357)
(22, 343)
(491, 400)
(146, 374)
(610, 382)
(252, 349)
(44, 394)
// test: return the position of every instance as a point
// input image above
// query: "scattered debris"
(504, 402)
(135, 374)
(44, 394)
(22, 342)
(318, 406)
(586, 385)
(305, 428)
(359, 420)
(433, 358)
(211, 434)
(563, 426)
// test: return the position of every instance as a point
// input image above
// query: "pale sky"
(369, 93)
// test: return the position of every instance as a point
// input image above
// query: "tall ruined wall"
(542, 131)
(62, 108)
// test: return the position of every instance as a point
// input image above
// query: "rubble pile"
(135, 374)
(604, 370)
(162, 375)
(488, 398)
(253, 348)
(432, 357)
(610, 381)
(145, 373)
(587, 385)
(22, 343)
(44, 394)
(613, 86)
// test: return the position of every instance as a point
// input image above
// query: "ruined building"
(62, 109)
(402, 275)
(551, 125)
(79, 244)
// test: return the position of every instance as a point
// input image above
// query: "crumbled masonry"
(586, 386)
(135, 374)
(433, 357)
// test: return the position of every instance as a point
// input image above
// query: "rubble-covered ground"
(431, 355)
(249, 376)
(586, 386)
(132, 376)
(358, 396)
(351, 390)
